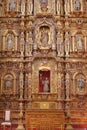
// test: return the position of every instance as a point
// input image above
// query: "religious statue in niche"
(77, 4)
(44, 36)
(44, 81)
(12, 5)
(80, 83)
(9, 42)
(8, 82)
(79, 42)
(45, 85)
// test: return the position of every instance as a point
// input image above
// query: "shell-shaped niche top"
(44, 37)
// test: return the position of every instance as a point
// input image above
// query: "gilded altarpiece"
(43, 63)
(49, 67)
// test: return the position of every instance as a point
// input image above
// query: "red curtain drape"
(80, 127)
(34, 129)
(42, 76)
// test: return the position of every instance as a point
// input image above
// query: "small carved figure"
(79, 42)
(8, 82)
(45, 85)
(77, 5)
(44, 37)
(12, 5)
(9, 42)
(80, 82)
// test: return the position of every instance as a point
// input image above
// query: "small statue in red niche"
(45, 85)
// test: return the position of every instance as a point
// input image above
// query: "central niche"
(44, 81)
(43, 73)
(44, 36)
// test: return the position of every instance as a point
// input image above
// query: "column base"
(69, 127)
(20, 127)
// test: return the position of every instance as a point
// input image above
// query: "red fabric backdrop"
(42, 76)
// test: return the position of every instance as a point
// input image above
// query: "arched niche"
(44, 80)
(47, 27)
(44, 68)
(12, 5)
(9, 41)
(79, 41)
(44, 32)
(77, 5)
(8, 83)
(80, 83)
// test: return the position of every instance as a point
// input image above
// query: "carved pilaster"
(23, 7)
(29, 7)
(67, 86)
(26, 86)
(20, 119)
(59, 86)
(29, 85)
(30, 81)
(60, 46)
(30, 43)
(67, 43)
(21, 85)
(67, 7)
(22, 44)
(21, 80)
(58, 6)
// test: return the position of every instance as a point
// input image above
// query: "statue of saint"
(8, 82)
(45, 85)
(77, 5)
(9, 42)
(12, 5)
(79, 42)
(44, 37)
(80, 82)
